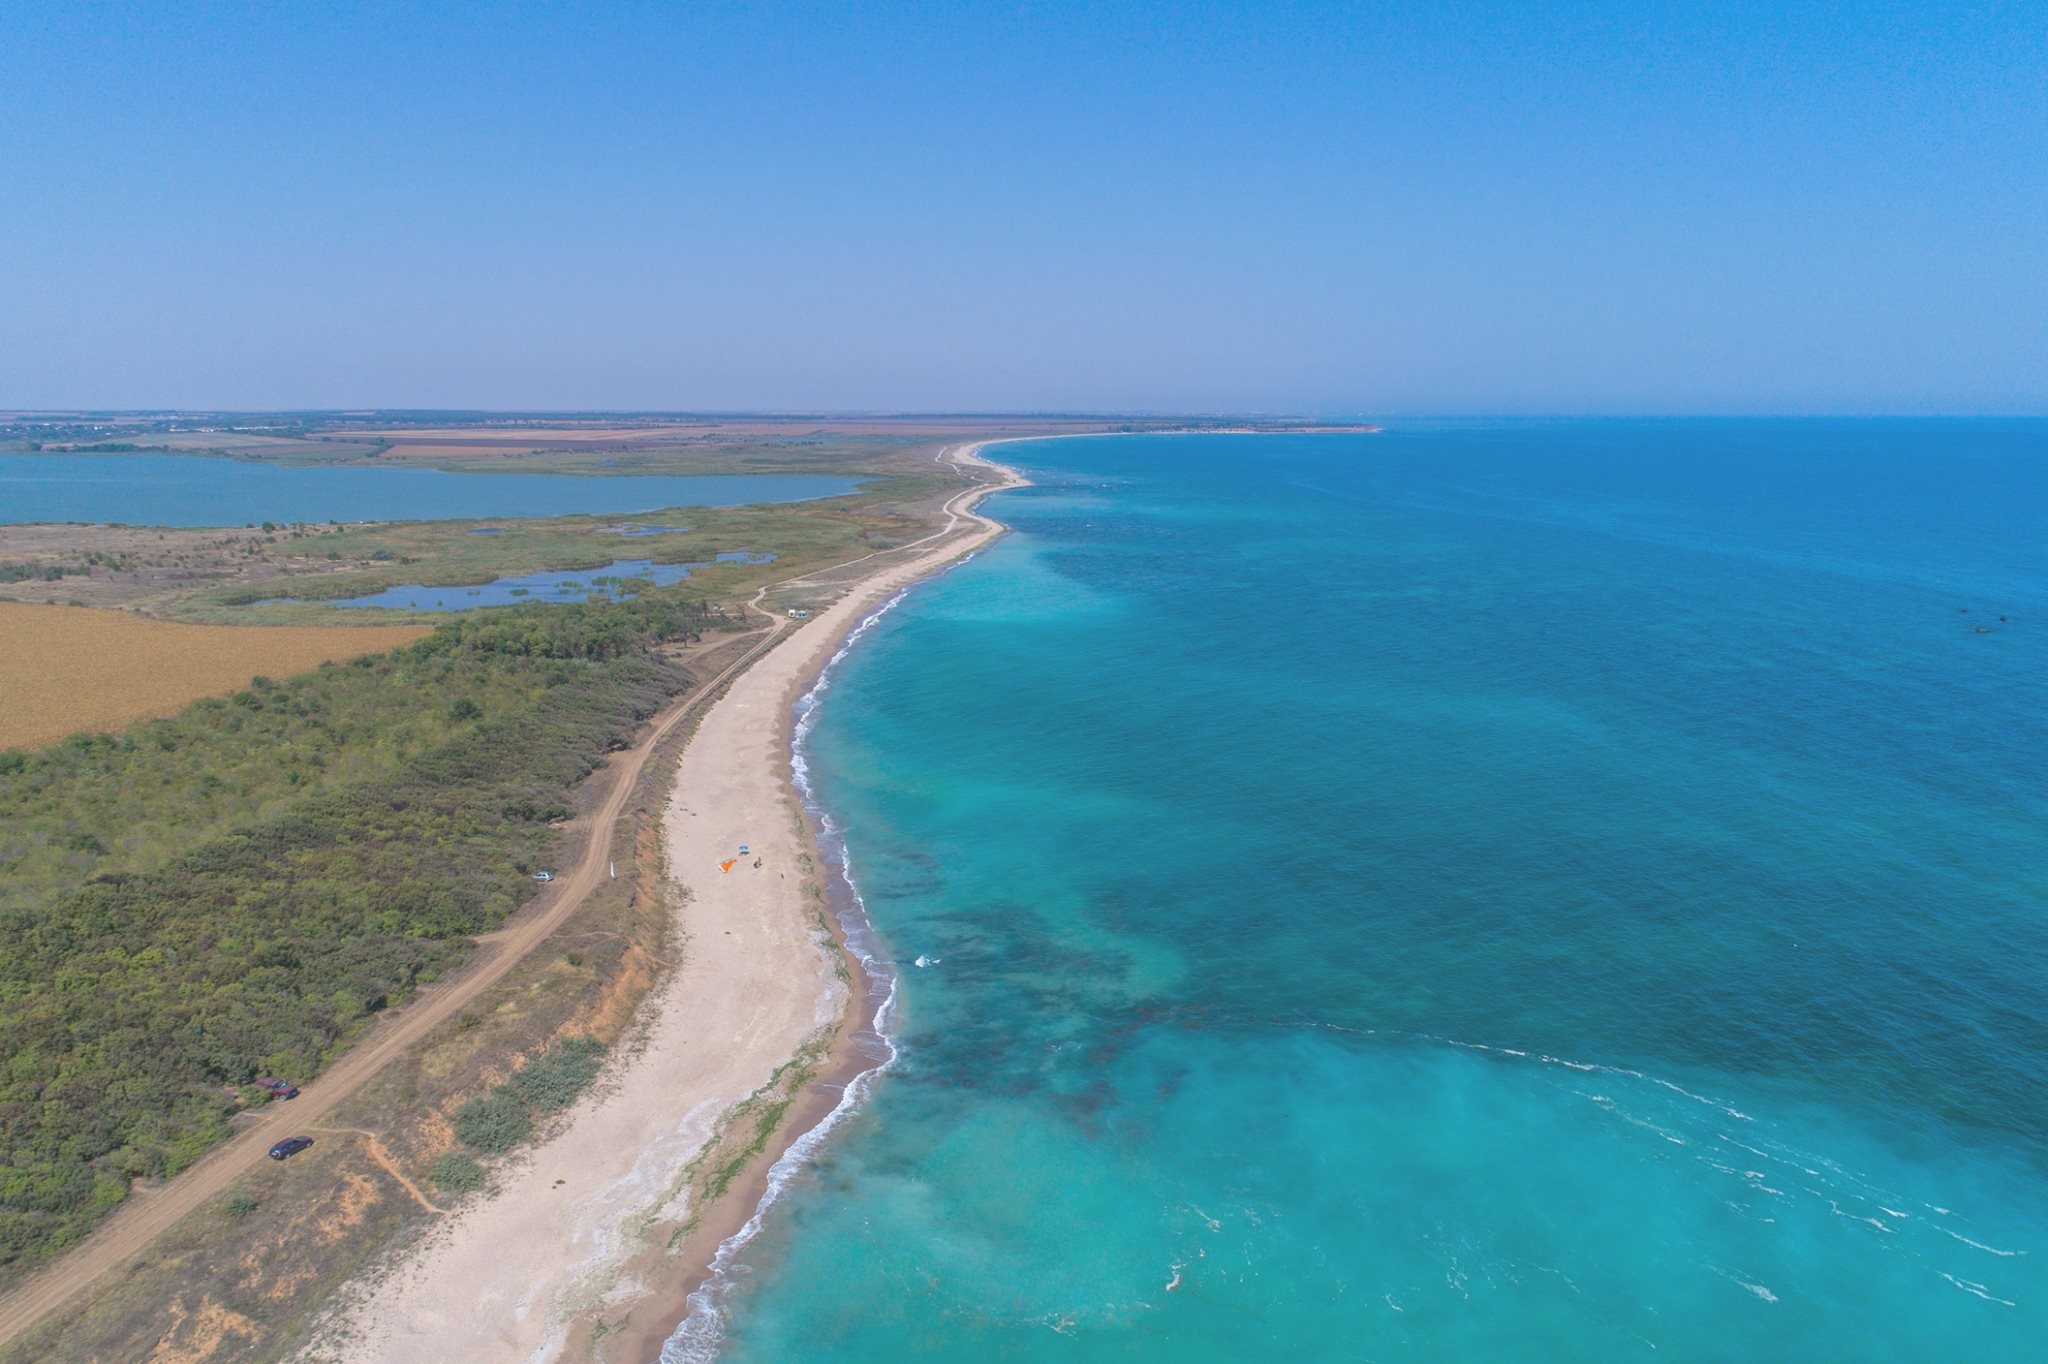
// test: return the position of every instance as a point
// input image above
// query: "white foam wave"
(1976, 1289)
(1991, 1250)
(1727, 1108)
(1756, 1289)
(1845, 1193)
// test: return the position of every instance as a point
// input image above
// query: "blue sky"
(1338, 209)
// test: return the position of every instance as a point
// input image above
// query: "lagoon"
(573, 584)
(198, 490)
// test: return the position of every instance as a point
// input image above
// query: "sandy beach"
(594, 1225)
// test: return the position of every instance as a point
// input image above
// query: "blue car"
(290, 1146)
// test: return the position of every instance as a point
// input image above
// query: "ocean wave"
(1686, 1118)
(1991, 1250)
(1976, 1289)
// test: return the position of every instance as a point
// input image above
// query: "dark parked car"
(290, 1146)
(279, 1089)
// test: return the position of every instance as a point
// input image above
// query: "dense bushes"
(234, 890)
(498, 1121)
(455, 1173)
(551, 1081)
(493, 1124)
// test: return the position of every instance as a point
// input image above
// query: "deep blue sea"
(1480, 892)
(197, 490)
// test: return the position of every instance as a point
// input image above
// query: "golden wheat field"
(68, 668)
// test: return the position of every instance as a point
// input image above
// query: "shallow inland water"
(572, 584)
(1545, 891)
(196, 490)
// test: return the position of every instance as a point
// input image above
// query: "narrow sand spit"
(563, 1238)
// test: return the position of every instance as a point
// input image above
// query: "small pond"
(576, 584)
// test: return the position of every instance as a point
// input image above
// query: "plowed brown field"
(67, 668)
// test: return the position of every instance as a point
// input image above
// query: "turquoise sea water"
(196, 490)
(1545, 891)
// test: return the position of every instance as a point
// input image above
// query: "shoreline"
(863, 1048)
(592, 1247)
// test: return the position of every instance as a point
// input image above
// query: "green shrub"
(493, 1124)
(551, 1081)
(242, 1204)
(456, 1173)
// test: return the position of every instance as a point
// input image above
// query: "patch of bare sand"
(196, 1337)
(574, 1232)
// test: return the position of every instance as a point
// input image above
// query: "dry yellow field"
(67, 668)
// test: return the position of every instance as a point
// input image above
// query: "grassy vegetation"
(754, 1120)
(492, 1124)
(455, 1173)
(368, 559)
(552, 1081)
(215, 576)
(237, 889)
(55, 571)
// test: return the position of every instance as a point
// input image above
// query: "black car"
(290, 1146)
